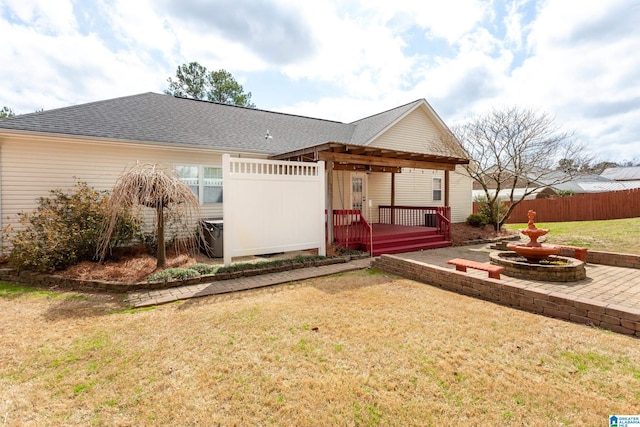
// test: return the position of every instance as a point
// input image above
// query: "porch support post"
(393, 198)
(446, 188)
(329, 203)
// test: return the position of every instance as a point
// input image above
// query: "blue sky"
(340, 59)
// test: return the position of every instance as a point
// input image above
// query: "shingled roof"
(164, 119)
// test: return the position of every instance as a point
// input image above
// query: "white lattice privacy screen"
(272, 206)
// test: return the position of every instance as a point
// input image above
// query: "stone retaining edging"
(614, 259)
(45, 280)
(613, 317)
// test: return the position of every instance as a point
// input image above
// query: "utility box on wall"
(212, 242)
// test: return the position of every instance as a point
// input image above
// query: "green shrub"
(173, 274)
(245, 266)
(341, 250)
(64, 229)
(477, 220)
(197, 270)
(495, 212)
(204, 268)
(160, 276)
(566, 193)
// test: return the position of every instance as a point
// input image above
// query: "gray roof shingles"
(159, 118)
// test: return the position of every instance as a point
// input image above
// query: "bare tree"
(519, 148)
(160, 189)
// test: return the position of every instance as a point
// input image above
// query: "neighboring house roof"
(622, 174)
(587, 183)
(602, 187)
(164, 119)
(538, 193)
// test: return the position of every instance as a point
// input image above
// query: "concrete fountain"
(537, 261)
(534, 251)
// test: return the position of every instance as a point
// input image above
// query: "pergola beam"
(383, 161)
(365, 168)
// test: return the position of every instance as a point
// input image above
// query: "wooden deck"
(422, 228)
(393, 239)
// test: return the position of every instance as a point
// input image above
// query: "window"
(204, 181)
(437, 189)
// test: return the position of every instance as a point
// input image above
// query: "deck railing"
(418, 216)
(351, 230)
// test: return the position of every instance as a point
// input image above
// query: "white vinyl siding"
(31, 167)
(414, 188)
(415, 133)
(460, 195)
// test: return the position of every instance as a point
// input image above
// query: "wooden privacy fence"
(581, 207)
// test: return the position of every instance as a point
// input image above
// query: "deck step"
(409, 247)
(414, 240)
(389, 239)
(409, 241)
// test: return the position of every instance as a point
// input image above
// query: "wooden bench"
(463, 264)
(579, 253)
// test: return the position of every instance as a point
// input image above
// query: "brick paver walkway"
(607, 284)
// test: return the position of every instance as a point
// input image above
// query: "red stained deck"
(424, 228)
(393, 239)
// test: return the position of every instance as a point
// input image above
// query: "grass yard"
(359, 349)
(617, 235)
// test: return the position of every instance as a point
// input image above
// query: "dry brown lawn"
(360, 349)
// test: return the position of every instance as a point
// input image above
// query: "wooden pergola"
(347, 157)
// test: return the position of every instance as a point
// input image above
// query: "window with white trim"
(437, 189)
(204, 181)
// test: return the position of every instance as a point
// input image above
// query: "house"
(396, 168)
(626, 178)
(541, 184)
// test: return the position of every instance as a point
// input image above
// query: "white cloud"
(449, 20)
(572, 58)
(514, 25)
(54, 71)
(137, 24)
(579, 66)
(52, 16)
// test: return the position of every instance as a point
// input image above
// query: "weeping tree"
(160, 189)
